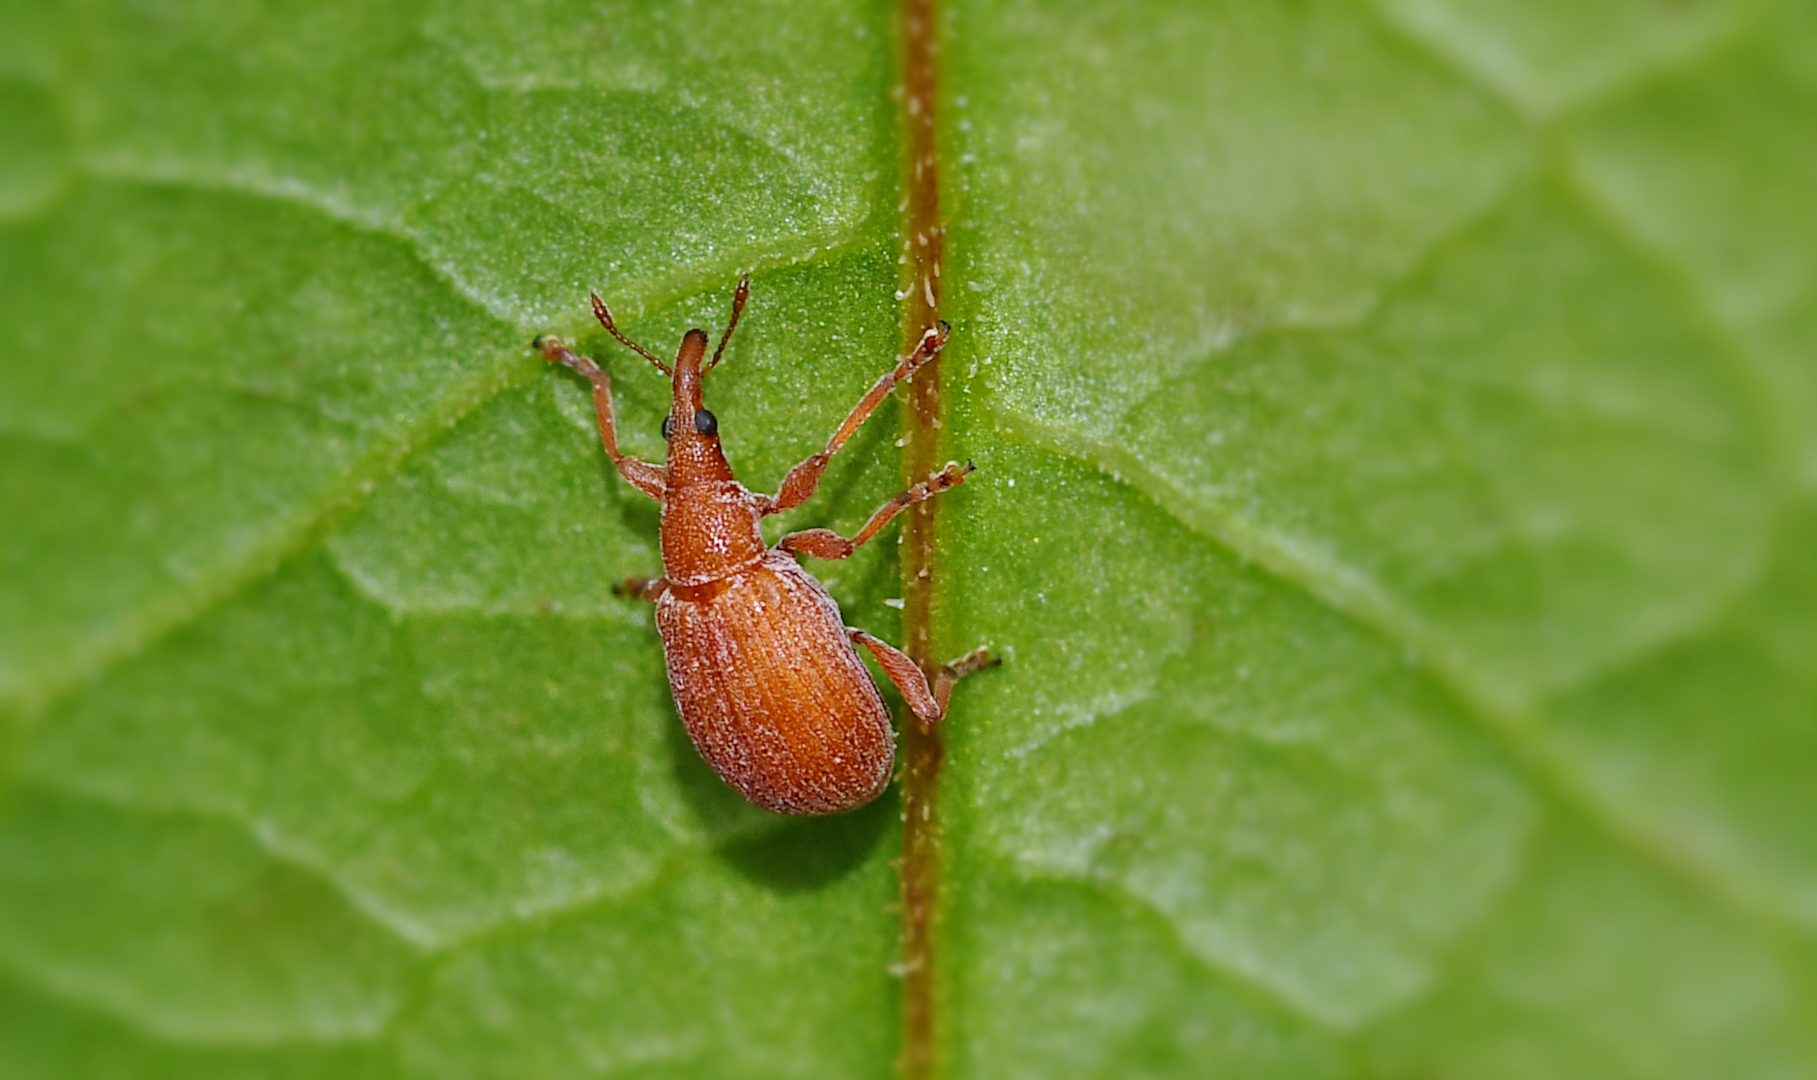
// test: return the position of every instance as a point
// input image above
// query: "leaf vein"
(1504, 712)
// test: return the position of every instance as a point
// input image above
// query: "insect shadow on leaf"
(808, 853)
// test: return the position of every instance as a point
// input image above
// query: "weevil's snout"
(692, 432)
(688, 373)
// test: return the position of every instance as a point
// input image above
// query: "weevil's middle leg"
(640, 474)
(827, 544)
(927, 703)
(803, 479)
(642, 588)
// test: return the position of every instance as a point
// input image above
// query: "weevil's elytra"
(764, 670)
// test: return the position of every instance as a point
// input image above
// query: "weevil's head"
(690, 430)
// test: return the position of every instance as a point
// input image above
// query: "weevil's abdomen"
(772, 693)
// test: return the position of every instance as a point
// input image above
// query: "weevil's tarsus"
(604, 315)
(802, 481)
(645, 477)
(738, 299)
(827, 544)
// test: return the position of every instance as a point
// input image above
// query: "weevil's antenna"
(604, 316)
(738, 299)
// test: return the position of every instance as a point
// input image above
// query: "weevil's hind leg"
(803, 479)
(827, 544)
(642, 588)
(928, 704)
(641, 475)
(902, 671)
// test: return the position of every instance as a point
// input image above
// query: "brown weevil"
(763, 668)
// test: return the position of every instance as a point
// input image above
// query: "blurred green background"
(1397, 431)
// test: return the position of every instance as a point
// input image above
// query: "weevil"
(765, 673)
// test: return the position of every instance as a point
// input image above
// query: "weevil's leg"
(641, 475)
(928, 705)
(642, 588)
(799, 485)
(827, 544)
(903, 672)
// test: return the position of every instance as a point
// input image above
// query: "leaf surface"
(1395, 496)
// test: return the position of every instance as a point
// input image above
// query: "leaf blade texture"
(1395, 502)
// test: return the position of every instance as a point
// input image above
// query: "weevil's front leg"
(799, 485)
(928, 704)
(827, 544)
(641, 475)
(642, 588)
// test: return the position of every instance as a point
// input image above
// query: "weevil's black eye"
(668, 428)
(706, 423)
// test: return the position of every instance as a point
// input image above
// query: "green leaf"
(1397, 486)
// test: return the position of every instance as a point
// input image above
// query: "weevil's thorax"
(709, 521)
(709, 531)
